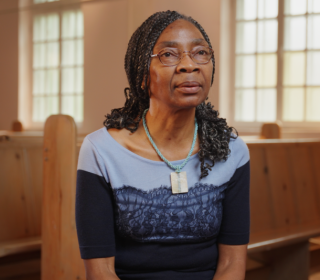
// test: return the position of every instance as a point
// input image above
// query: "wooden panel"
(21, 187)
(314, 152)
(13, 216)
(60, 252)
(304, 184)
(281, 186)
(262, 214)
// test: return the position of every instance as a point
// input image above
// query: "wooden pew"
(285, 208)
(20, 201)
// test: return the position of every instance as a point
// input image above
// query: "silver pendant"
(179, 182)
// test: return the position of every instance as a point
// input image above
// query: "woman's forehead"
(180, 32)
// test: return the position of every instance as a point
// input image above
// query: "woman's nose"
(186, 64)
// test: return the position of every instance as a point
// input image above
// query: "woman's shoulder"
(239, 151)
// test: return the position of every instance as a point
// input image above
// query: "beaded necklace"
(178, 179)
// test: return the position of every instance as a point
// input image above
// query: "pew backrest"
(20, 187)
(285, 191)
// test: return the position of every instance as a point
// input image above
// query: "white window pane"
(313, 101)
(314, 6)
(246, 9)
(266, 105)
(79, 80)
(293, 104)
(52, 54)
(246, 37)
(78, 116)
(244, 105)
(266, 70)
(39, 55)
(38, 110)
(267, 36)
(73, 105)
(295, 33)
(39, 77)
(313, 68)
(38, 1)
(313, 32)
(68, 80)
(245, 71)
(69, 24)
(68, 105)
(68, 53)
(39, 28)
(79, 24)
(79, 52)
(295, 7)
(294, 69)
(267, 8)
(53, 27)
(52, 106)
(52, 82)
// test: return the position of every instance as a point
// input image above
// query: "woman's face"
(187, 84)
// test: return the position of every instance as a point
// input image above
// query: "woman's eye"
(166, 54)
(202, 52)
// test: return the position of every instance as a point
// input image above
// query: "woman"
(163, 192)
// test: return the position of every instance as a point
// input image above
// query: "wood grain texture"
(60, 252)
(21, 187)
(284, 191)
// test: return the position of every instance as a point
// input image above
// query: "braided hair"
(214, 134)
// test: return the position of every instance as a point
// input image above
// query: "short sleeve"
(235, 226)
(94, 206)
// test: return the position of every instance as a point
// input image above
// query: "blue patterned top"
(125, 208)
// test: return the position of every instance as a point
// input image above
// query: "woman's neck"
(171, 126)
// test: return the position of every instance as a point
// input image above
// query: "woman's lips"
(189, 87)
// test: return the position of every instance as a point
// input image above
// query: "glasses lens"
(201, 54)
(170, 56)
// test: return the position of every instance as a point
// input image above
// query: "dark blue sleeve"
(94, 216)
(235, 226)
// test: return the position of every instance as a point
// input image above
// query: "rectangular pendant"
(179, 182)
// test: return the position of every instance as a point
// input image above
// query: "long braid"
(214, 132)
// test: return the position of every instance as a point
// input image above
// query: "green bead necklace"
(178, 178)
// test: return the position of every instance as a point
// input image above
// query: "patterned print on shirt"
(158, 215)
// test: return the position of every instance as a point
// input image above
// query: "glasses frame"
(187, 52)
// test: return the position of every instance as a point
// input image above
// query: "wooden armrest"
(315, 240)
(279, 239)
(20, 245)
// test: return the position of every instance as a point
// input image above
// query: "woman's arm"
(100, 269)
(231, 263)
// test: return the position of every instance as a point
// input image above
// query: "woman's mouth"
(189, 87)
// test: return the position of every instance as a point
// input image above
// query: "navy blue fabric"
(94, 216)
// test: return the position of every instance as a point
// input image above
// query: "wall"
(8, 63)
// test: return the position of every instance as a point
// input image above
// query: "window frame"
(253, 127)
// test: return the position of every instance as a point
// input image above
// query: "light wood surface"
(20, 192)
(270, 131)
(285, 208)
(60, 252)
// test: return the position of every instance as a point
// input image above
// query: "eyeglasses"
(172, 56)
